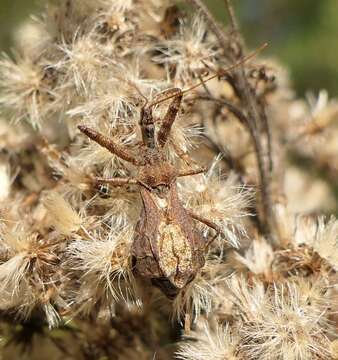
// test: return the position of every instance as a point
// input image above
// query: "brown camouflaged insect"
(167, 248)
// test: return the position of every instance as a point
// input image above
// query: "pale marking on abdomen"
(175, 254)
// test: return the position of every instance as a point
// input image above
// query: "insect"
(167, 247)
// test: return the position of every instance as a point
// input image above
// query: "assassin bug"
(167, 247)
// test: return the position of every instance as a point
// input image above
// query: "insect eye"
(103, 191)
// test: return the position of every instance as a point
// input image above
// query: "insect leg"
(183, 155)
(192, 172)
(165, 95)
(110, 145)
(147, 121)
(118, 181)
(208, 223)
(169, 118)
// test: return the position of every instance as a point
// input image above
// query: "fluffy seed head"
(203, 293)
(25, 91)
(81, 64)
(280, 322)
(189, 52)
(326, 241)
(258, 258)
(27, 278)
(210, 343)
(219, 200)
(102, 262)
(319, 234)
(61, 214)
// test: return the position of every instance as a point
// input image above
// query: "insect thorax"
(157, 174)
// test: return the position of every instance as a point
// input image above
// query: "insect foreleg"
(169, 118)
(110, 145)
(192, 172)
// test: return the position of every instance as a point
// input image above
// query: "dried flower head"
(258, 258)
(207, 343)
(192, 51)
(102, 264)
(281, 322)
(220, 200)
(325, 242)
(27, 274)
(26, 90)
(200, 296)
(81, 64)
(320, 235)
(61, 214)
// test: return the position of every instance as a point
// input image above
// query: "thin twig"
(259, 118)
(231, 107)
(267, 130)
(232, 17)
(205, 87)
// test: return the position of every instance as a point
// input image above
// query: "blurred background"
(303, 34)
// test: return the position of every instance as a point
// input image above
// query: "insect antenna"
(221, 73)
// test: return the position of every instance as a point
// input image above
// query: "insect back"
(167, 249)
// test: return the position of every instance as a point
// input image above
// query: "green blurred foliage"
(303, 34)
(13, 12)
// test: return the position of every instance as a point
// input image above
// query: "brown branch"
(232, 108)
(211, 22)
(253, 105)
(253, 117)
(232, 17)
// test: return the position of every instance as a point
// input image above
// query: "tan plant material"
(162, 193)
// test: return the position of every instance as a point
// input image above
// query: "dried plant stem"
(211, 22)
(257, 118)
(253, 118)
(246, 123)
(232, 16)
(101, 210)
